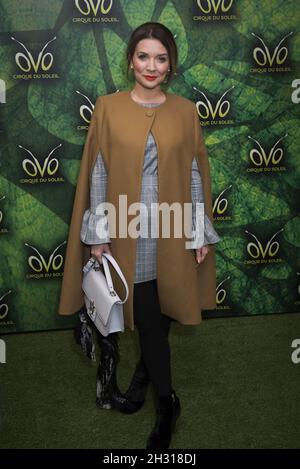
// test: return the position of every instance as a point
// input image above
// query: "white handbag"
(103, 305)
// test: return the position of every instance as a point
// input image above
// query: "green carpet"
(235, 378)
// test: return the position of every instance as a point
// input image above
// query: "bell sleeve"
(94, 228)
(204, 232)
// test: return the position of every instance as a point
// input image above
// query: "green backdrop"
(239, 63)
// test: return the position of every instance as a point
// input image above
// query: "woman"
(145, 144)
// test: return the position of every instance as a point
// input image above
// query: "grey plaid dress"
(145, 246)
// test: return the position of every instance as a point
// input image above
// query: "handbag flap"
(95, 288)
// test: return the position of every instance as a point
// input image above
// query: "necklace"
(147, 102)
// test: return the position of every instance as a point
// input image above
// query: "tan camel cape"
(119, 128)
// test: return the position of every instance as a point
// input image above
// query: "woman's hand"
(201, 253)
(98, 249)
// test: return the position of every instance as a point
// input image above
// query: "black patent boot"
(136, 393)
(168, 411)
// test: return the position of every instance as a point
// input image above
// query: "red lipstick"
(150, 77)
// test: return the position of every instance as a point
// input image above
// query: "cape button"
(149, 112)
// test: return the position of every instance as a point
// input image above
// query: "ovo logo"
(259, 156)
(263, 57)
(26, 61)
(207, 6)
(256, 249)
(220, 205)
(221, 292)
(87, 6)
(206, 110)
(38, 263)
(33, 168)
(86, 110)
(2, 92)
(4, 306)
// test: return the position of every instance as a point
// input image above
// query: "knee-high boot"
(108, 394)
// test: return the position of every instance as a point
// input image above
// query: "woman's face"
(150, 59)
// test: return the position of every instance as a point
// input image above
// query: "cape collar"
(142, 108)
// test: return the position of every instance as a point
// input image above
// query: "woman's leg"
(141, 368)
(166, 323)
(153, 328)
(137, 390)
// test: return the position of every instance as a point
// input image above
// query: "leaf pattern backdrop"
(51, 112)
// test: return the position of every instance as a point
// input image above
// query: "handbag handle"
(107, 257)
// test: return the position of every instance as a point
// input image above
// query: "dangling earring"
(131, 73)
(165, 80)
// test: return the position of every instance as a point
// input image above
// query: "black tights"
(153, 328)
